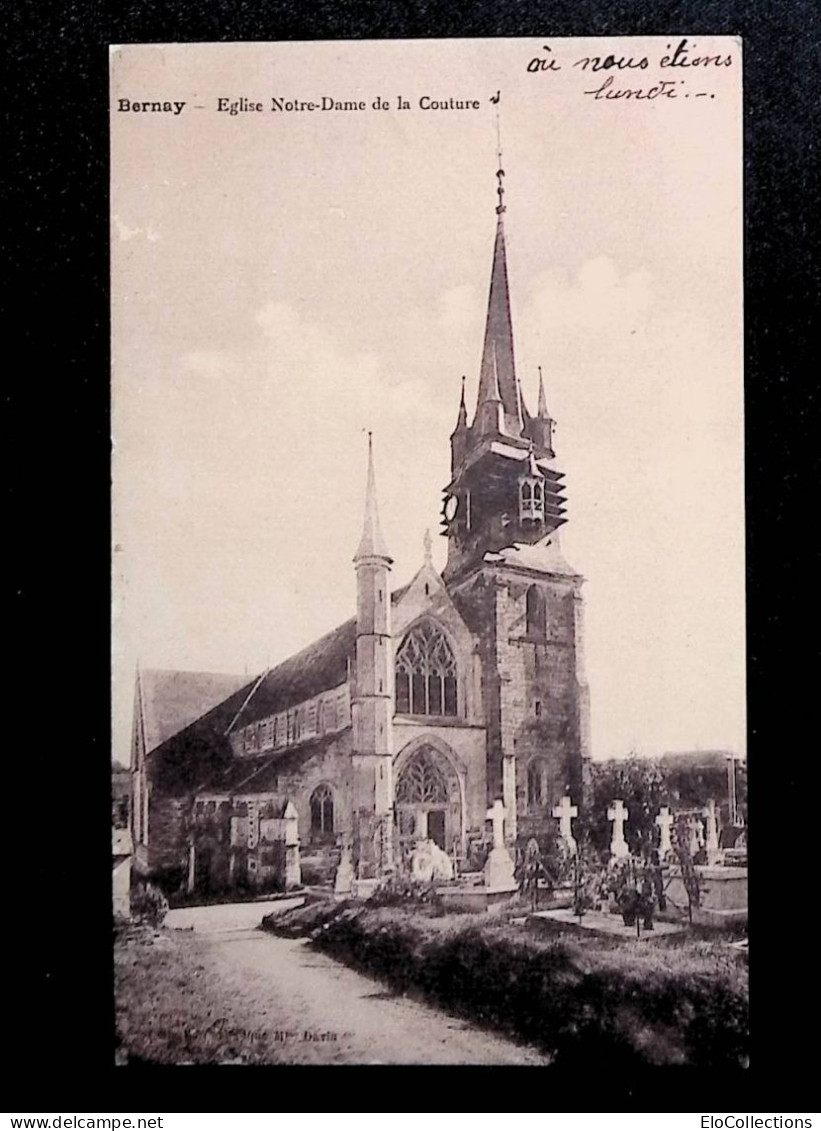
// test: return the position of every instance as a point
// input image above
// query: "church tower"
(372, 699)
(505, 571)
(504, 487)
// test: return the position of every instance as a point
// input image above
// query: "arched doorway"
(428, 800)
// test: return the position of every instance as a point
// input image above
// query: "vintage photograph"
(428, 563)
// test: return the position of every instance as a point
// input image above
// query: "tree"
(641, 785)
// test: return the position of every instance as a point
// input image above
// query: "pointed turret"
(372, 543)
(459, 436)
(542, 412)
(541, 427)
(462, 418)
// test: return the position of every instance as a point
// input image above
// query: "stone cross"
(497, 814)
(618, 815)
(565, 812)
(664, 821)
(713, 851)
(499, 869)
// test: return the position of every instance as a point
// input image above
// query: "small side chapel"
(415, 716)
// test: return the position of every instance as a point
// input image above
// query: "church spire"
(372, 544)
(490, 411)
(542, 412)
(497, 353)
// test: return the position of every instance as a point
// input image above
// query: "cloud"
(124, 233)
(598, 300)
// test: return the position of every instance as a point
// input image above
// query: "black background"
(60, 1024)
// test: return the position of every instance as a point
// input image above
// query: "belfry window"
(322, 813)
(426, 682)
(531, 499)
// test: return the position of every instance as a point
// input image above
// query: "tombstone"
(695, 834)
(293, 871)
(565, 812)
(711, 845)
(422, 865)
(499, 867)
(343, 880)
(442, 863)
(509, 797)
(664, 821)
(618, 845)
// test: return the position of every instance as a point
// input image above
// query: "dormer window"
(531, 499)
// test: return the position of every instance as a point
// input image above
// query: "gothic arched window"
(535, 613)
(322, 813)
(538, 783)
(422, 781)
(425, 674)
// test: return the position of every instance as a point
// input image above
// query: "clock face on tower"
(451, 507)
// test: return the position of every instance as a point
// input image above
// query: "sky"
(283, 282)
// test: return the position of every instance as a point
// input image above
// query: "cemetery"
(621, 936)
(637, 952)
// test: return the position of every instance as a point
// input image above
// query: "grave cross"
(565, 812)
(618, 815)
(664, 821)
(497, 814)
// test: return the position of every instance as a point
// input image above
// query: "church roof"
(544, 556)
(318, 667)
(261, 774)
(171, 700)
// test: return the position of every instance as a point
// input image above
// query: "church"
(435, 700)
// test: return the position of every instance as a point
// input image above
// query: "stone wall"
(167, 835)
(534, 703)
(331, 765)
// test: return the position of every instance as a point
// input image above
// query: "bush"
(399, 891)
(170, 879)
(305, 920)
(149, 905)
(581, 1002)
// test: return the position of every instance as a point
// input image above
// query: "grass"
(578, 996)
(167, 1010)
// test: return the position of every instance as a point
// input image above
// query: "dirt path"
(216, 992)
(322, 1012)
